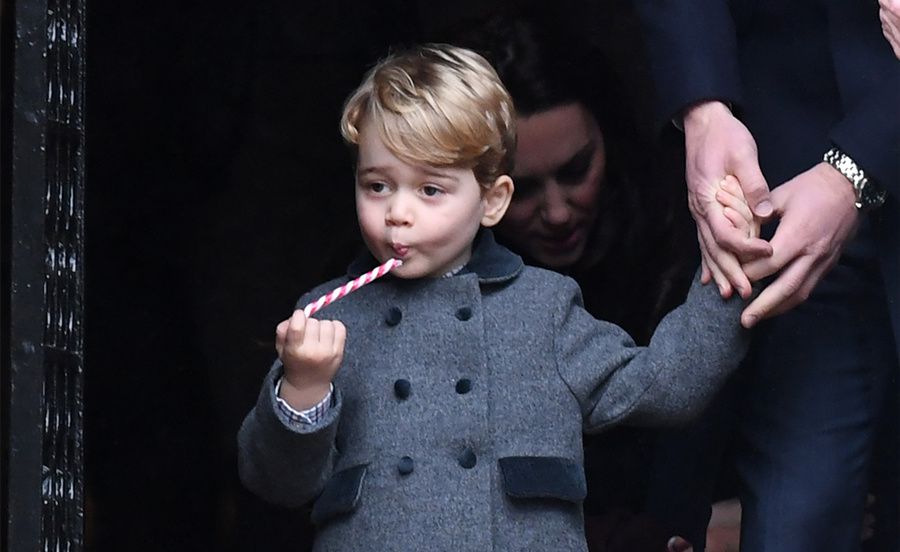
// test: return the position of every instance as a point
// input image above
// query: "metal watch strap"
(868, 194)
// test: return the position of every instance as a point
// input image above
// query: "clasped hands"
(814, 210)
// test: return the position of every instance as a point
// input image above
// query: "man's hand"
(818, 216)
(311, 351)
(718, 144)
(889, 13)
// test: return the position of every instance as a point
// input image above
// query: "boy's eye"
(377, 187)
(430, 190)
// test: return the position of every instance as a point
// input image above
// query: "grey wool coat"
(459, 408)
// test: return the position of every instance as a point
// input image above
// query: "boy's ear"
(496, 199)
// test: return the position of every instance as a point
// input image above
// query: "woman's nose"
(555, 209)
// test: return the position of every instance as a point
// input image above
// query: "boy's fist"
(311, 351)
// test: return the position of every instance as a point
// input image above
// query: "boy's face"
(425, 216)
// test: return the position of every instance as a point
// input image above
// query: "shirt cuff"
(310, 416)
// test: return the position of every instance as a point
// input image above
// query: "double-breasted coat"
(459, 408)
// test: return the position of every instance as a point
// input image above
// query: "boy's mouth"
(400, 250)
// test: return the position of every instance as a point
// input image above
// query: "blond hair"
(439, 105)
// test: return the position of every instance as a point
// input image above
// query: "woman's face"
(560, 165)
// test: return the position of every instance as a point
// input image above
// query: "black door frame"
(42, 314)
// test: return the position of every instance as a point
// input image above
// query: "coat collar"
(490, 261)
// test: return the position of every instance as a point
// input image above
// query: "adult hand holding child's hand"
(717, 144)
(311, 351)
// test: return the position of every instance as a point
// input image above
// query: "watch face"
(869, 196)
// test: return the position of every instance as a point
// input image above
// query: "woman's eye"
(377, 187)
(431, 191)
(575, 170)
(526, 187)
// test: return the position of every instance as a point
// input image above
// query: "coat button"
(402, 389)
(464, 313)
(393, 316)
(467, 459)
(405, 465)
(463, 386)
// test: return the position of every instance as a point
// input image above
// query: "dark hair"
(545, 62)
(537, 77)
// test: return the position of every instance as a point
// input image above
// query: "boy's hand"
(311, 351)
(732, 207)
(736, 209)
(718, 144)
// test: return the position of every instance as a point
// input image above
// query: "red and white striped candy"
(353, 285)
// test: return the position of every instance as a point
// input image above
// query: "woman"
(587, 203)
(587, 199)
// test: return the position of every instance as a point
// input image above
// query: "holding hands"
(311, 351)
(735, 209)
(718, 144)
(817, 216)
(816, 211)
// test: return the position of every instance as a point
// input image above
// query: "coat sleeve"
(692, 352)
(284, 465)
(281, 464)
(692, 49)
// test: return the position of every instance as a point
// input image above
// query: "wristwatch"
(868, 194)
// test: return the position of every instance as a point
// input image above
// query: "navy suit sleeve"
(870, 133)
(692, 49)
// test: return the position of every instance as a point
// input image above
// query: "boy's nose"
(399, 212)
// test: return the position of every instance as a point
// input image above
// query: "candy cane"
(353, 285)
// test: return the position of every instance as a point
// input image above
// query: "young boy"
(450, 416)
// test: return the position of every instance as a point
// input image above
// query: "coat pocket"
(340, 495)
(543, 477)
